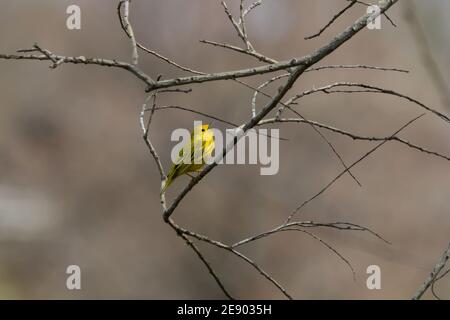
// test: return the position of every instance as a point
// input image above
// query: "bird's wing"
(182, 158)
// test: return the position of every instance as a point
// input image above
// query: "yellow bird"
(202, 137)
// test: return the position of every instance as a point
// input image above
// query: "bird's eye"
(203, 130)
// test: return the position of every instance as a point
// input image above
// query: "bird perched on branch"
(193, 161)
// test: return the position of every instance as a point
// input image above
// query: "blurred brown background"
(77, 184)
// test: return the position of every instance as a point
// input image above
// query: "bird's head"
(207, 134)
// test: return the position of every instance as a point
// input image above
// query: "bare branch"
(440, 265)
(242, 33)
(304, 62)
(331, 146)
(152, 52)
(215, 118)
(125, 22)
(253, 53)
(262, 86)
(333, 19)
(252, 6)
(207, 265)
(356, 66)
(371, 89)
(263, 273)
(346, 226)
(355, 136)
(197, 112)
(151, 148)
(83, 60)
(294, 68)
(47, 53)
(238, 26)
(330, 247)
(308, 61)
(232, 250)
(351, 166)
(242, 24)
(433, 289)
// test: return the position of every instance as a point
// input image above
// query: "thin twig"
(330, 247)
(263, 273)
(47, 53)
(252, 6)
(370, 89)
(242, 24)
(341, 160)
(262, 86)
(328, 185)
(215, 118)
(440, 265)
(148, 142)
(253, 104)
(237, 27)
(207, 265)
(346, 226)
(232, 250)
(259, 90)
(152, 52)
(356, 66)
(255, 54)
(355, 136)
(197, 112)
(333, 19)
(433, 289)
